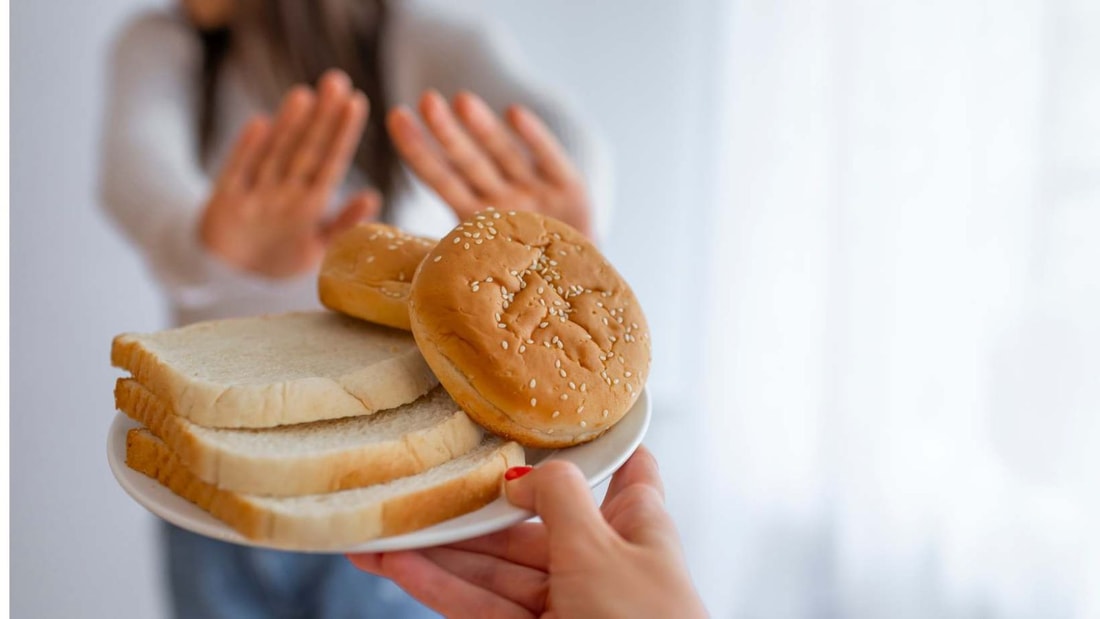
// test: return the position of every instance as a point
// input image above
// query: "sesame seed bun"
(530, 329)
(367, 272)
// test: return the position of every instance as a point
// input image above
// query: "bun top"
(376, 255)
(538, 323)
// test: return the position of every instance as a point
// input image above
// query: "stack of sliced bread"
(309, 430)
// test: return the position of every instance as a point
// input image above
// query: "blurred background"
(866, 235)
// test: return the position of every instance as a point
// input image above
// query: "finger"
(285, 132)
(520, 584)
(494, 137)
(364, 205)
(340, 150)
(641, 468)
(240, 168)
(638, 514)
(334, 91)
(550, 157)
(429, 165)
(439, 589)
(465, 155)
(559, 494)
(368, 562)
(524, 544)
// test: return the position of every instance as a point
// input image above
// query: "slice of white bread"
(310, 458)
(274, 370)
(339, 519)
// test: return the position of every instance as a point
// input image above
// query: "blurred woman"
(241, 135)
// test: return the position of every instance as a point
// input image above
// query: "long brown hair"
(285, 42)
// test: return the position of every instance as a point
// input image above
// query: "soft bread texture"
(530, 329)
(367, 271)
(275, 370)
(339, 519)
(310, 458)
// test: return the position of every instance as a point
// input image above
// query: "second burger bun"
(367, 272)
(530, 329)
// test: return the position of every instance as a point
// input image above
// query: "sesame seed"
(500, 325)
(534, 401)
(504, 344)
(584, 424)
(605, 413)
(466, 246)
(555, 413)
(474, 287)
(478, 242)
(532, 383)
(565, 396)
(488, 279)
(629, 387)
(467, 234)
(522, 347)
(572, 385)
(458, 240)
(437, 258)
(557, 362)
(541, 289)
(543, 325)
(627, 374)
(580, 409)
(584, 387)
(562, 372)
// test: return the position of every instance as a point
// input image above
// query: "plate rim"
(435, 535)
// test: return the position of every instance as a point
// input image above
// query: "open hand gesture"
(266, 212)
(474, 160)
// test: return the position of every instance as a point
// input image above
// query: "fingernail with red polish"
(516, 472)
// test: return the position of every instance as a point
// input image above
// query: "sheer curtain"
(902, 372)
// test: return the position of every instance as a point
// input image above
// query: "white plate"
(597, 460)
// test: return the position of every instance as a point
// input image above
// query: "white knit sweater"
(153, 185)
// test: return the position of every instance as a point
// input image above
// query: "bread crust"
(291, 475)
(390, 382)
(321, 530)
(530, 329)
(367, 271)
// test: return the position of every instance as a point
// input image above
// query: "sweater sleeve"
(151, 183)
(451, 53)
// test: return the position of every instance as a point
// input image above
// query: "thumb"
(363, 205)
(559, 494)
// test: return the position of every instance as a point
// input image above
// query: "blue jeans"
(210, 579)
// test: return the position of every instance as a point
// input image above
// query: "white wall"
(79, 546)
